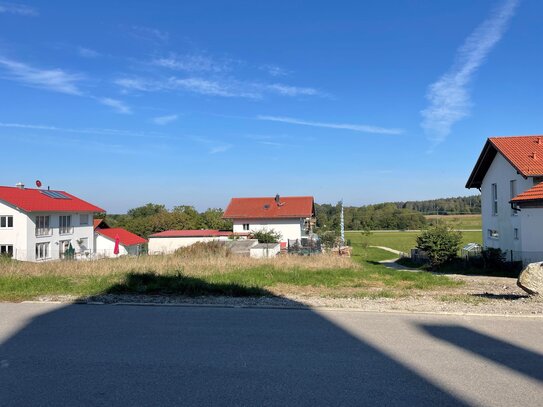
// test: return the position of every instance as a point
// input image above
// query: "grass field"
(322, 275)
(466, 222)
(402, 241)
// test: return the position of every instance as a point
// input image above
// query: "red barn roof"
(126, 238)
(192, 233)
(267, 207)
(39, 200)
(524, 153)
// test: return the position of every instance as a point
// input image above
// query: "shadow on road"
(94, 355)
(514, 357)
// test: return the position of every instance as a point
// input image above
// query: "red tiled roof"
(192, 233)
(100, 223)
(524, 153)
(34, 200)
(126, 238)
(265, 208)
(533, 194)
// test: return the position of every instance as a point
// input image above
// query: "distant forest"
(394, 215)
(152, 218)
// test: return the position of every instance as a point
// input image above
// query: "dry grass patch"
(166, 264)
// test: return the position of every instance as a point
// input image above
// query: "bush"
(266, 236)
(440, 243)
(204, 249)
(493, 258)
(329, 239)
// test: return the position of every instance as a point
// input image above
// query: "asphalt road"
(108, 355)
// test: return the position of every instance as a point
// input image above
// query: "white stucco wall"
(531, 234)
(289, 228)
(17, 235)
(501, 173)
(263, 252)
(165, 245)
(23, 234)
(105, 247)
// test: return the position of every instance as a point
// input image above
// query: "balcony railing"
(44, 232)
(67, 230)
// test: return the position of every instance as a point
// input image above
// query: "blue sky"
(196, 102)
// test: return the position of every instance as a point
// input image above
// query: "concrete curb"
(286, 307)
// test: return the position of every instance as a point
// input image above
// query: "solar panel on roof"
(55, 194)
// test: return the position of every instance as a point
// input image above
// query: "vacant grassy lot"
(466, 222)
(403, 241)
(323, 275)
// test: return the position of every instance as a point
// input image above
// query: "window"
(493, 234)
(494, 199)
(63, 246)
(83, 243)
(515, 233)
(65, 224)
(6, 222)
(42, 251)
(42, 226)
(245, 226)
(513, 193)
(84, 219)
(6, 250)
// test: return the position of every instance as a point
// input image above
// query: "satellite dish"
(38, 183)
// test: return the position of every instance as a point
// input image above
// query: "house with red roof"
(292, 216)
(105, 239)
(509, 174)
(43, 224)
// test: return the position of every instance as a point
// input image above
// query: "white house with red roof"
(171, 240)
(509, 173)
(40, 225)
(292, 216)
(105, 239)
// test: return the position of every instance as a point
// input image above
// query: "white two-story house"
(40, 225)
(292, 216)
(509, 173)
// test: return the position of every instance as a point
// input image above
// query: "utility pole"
(342, 224)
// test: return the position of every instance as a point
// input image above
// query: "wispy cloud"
(214, 146)
(56, 80)
(288, 90)
(215, 87)
(274, 70)
(449, 97)
(87, 53)
(94, 131)
(17, 8)
(117, 105)
(148, 33)
(220, 148)
(163, 120)
(192, 63)
(361, 128)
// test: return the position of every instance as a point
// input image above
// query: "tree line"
(393, 215)
(445, 206)
(153, 218)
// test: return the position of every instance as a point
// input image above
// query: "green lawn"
(366, 278)
(466, 222)
(403, 241)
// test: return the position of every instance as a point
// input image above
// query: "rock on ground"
(531, 278)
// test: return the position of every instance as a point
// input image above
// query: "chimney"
(538, 140)
(20, 185)
(534, 156)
